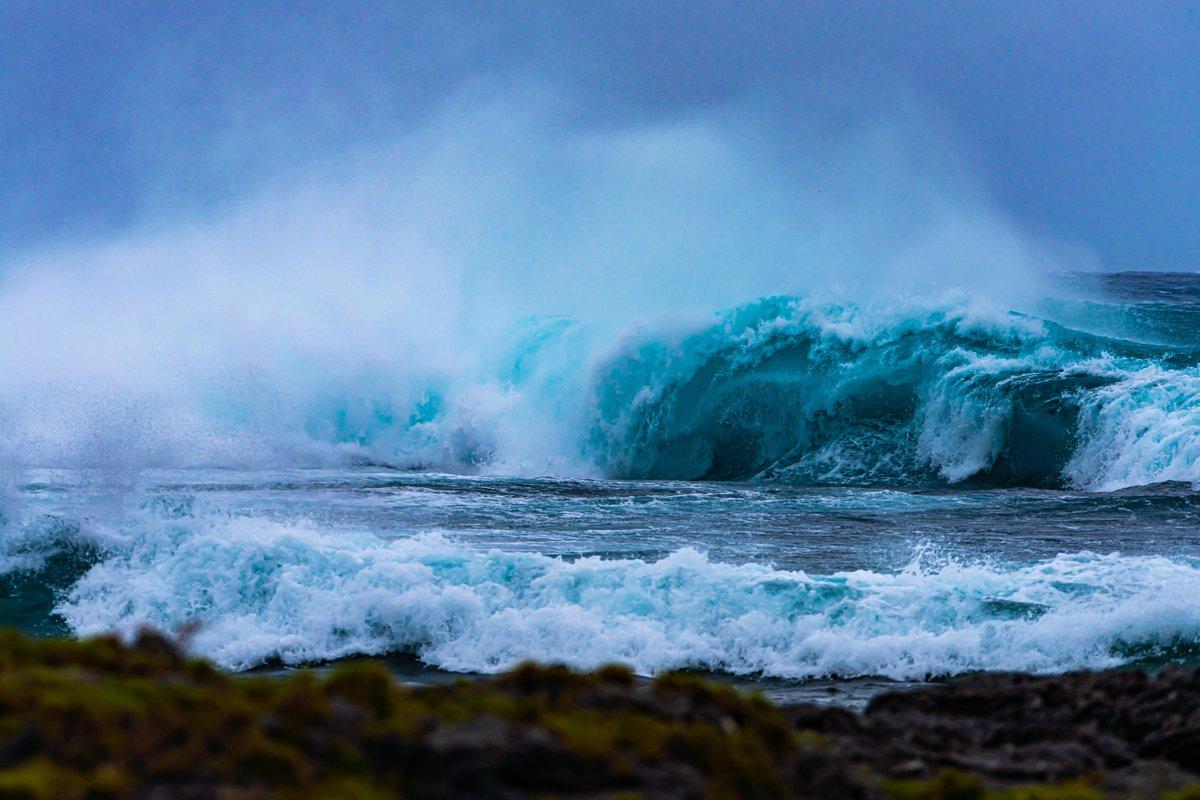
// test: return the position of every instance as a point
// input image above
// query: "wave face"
(294, 593)
(804, 393)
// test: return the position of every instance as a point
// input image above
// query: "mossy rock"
(956, 785)
(100, 719)
(103, 720)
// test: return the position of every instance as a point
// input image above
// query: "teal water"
(806, 494)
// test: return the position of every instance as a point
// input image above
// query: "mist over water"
(399, 280)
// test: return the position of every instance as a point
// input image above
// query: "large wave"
(367, 312)
(833, 393)
(786, 389)
(795, 390)
(480, 291)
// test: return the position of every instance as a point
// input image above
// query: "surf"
(295, 593)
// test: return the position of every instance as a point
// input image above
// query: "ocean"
(805, 496)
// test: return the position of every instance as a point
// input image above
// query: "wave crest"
(842, 394)
(786, 388)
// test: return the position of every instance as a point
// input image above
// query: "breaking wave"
(267, 591)
(808, 393)
(785, 389)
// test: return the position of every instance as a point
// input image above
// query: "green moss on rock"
(101, 720)
(956, 785)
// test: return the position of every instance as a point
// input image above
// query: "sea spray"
(378, 306)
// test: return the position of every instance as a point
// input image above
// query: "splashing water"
(474, 398)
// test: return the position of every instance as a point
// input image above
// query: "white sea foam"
(266, 590)
(1143, 429)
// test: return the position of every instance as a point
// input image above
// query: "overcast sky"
(1081, 120)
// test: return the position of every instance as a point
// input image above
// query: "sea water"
(795, 493)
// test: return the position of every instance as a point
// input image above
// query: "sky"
(1079, 120)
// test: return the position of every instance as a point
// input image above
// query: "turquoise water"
(791, 491)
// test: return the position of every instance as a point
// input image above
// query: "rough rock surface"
(99, 719)
(1123, 731)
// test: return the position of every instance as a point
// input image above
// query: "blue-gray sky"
(1082, 119)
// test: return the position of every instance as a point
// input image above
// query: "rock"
(99, 719)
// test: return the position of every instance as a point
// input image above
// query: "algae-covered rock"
(98, 719)
(101, 719)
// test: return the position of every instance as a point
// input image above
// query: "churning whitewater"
(822, 490)
(298, 595)
(265, 588)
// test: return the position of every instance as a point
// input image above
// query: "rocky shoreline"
(99, 719)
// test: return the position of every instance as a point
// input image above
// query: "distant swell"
(265, 590)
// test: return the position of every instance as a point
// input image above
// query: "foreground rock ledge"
(98, 719)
